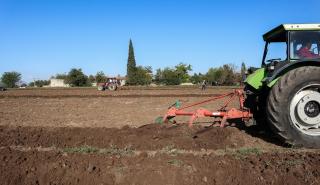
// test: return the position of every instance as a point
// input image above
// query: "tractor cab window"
(277, 51)
(304, 44)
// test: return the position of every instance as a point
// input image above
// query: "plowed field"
(82, 136)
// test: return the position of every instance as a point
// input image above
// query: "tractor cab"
(291, 43)
(287, 46)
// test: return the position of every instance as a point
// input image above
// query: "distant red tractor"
(111, 84)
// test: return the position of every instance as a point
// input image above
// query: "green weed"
(114, 150)
(175, 162)
(81, 149)
(170, 150)
(243, 152)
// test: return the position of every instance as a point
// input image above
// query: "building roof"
(278, 34)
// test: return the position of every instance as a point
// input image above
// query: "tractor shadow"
(261, 131)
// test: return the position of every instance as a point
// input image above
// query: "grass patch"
(170, 150)
(114, 150)
(247, 151)
(243, 152)
(291, 163)
(82, 149)
(175, 162)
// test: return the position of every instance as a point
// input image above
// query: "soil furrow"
(148, 137)
(34, 167)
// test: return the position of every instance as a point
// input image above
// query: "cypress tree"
(131, 65)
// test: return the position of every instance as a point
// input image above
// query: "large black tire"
(101, 88)
(112, 87)
(279, 101)
(256, 102)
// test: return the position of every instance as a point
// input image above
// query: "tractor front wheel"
(101, 88)
(112, 87)
(293, 107)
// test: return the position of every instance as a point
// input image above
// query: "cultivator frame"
(223, 113)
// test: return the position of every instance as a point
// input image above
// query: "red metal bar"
(227, 102)
(206, 101)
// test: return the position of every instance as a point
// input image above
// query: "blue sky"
(40, 38)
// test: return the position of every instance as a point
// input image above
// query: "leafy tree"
(197, 78)
(215, 76)
(11, 78)
(60, 76)
(131, 66)
(40, 83)
(170, 77)
(173, 76)
(149, 69)
(100, 77)
(167, 76)
(77, 78)
(92, 79)
(229, 74)
(158, 76)
(182, 72)
(31, 84)
(142, 76)
(225, 75)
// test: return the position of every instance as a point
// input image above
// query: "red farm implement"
(224, 113)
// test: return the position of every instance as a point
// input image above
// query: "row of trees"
(75, 77)
(39, 83)
(224, 75)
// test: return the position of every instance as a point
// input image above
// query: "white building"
(58, 83)
(122, 80)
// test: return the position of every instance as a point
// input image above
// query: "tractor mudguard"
(270, 81)
(255, 79)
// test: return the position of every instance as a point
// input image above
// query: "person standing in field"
(203, 85)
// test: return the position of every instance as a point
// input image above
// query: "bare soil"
(130, 92)
(92, 108)
(76, 136)
(148, 137)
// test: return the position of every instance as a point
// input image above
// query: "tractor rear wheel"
(293, 107)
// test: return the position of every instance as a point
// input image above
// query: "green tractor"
(285, 91)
